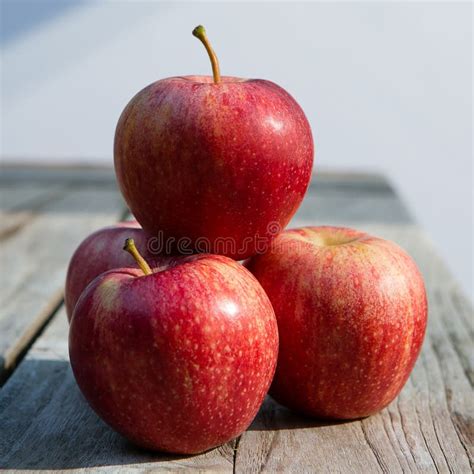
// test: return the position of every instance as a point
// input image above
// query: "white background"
(386, 86)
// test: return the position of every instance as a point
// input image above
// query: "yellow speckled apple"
(217, 160)
(177, 359)
(351, 311)
(99, 252)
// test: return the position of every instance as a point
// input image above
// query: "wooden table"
(45, 423)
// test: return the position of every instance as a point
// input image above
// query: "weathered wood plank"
(282, 441)
(34, 262)
(20, 204)
(90, 176)
(349, 200)
(45, 424)
(13, 196)
(350, 208)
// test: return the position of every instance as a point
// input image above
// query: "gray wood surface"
(46, 425)
(41, 225)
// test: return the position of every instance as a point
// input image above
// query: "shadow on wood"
(62, 431)
(275, 417)
(50, 426)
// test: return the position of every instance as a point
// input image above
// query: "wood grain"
(34, 257)
(46, 425)
(20, 204)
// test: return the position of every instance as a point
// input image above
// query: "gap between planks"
(36, 257)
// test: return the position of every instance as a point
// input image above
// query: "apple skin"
(207, 162)
(99, 252)
(352, 314)
(179, 360)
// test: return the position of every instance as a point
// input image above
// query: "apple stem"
(131, 248)
(200, 33)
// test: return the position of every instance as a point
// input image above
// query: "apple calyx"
(200, 33)
(131, 248)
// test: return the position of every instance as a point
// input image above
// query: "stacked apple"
(177, 352)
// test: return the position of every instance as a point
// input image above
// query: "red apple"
(99, 252)
(220, 162)
(351, 312)
(178, 360)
